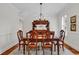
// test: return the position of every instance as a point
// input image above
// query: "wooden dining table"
(40, 40)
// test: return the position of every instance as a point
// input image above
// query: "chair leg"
(36, 50)
(38, 47)
(51, 50)
(19, 47)
(26, 47)
(63, 47)
(28, 50)
(41, 44)
(54, 47)
(23, 49)
(43, 50)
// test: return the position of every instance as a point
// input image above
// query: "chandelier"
(40, 11)
(41, 18)
(41, 21)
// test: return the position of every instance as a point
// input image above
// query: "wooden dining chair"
(32, 42)
(48, 41)
(61, 40)
(21, 39)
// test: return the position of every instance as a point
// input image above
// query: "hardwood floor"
(74, 51)
(9, 50)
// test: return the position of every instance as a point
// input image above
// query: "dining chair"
(21, 39)
(48, 41)
(61, 40)
(32, 42)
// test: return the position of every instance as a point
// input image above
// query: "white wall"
(8, 26)
(72, 37)
(54, 25)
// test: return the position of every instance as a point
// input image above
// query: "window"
(64, 22)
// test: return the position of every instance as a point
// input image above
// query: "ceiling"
(33, 9)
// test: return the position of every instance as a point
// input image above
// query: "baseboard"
(9, 50)
(74, 51)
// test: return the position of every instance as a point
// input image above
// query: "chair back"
(48, 36)
(62, 34)
(20, 35)
(33, 34)
(28, 34)
(52, 33)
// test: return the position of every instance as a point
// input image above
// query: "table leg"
(58, 47)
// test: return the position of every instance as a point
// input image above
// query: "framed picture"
(73, 19)
(73, 27)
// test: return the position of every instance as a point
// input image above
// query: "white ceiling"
(33, 9)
